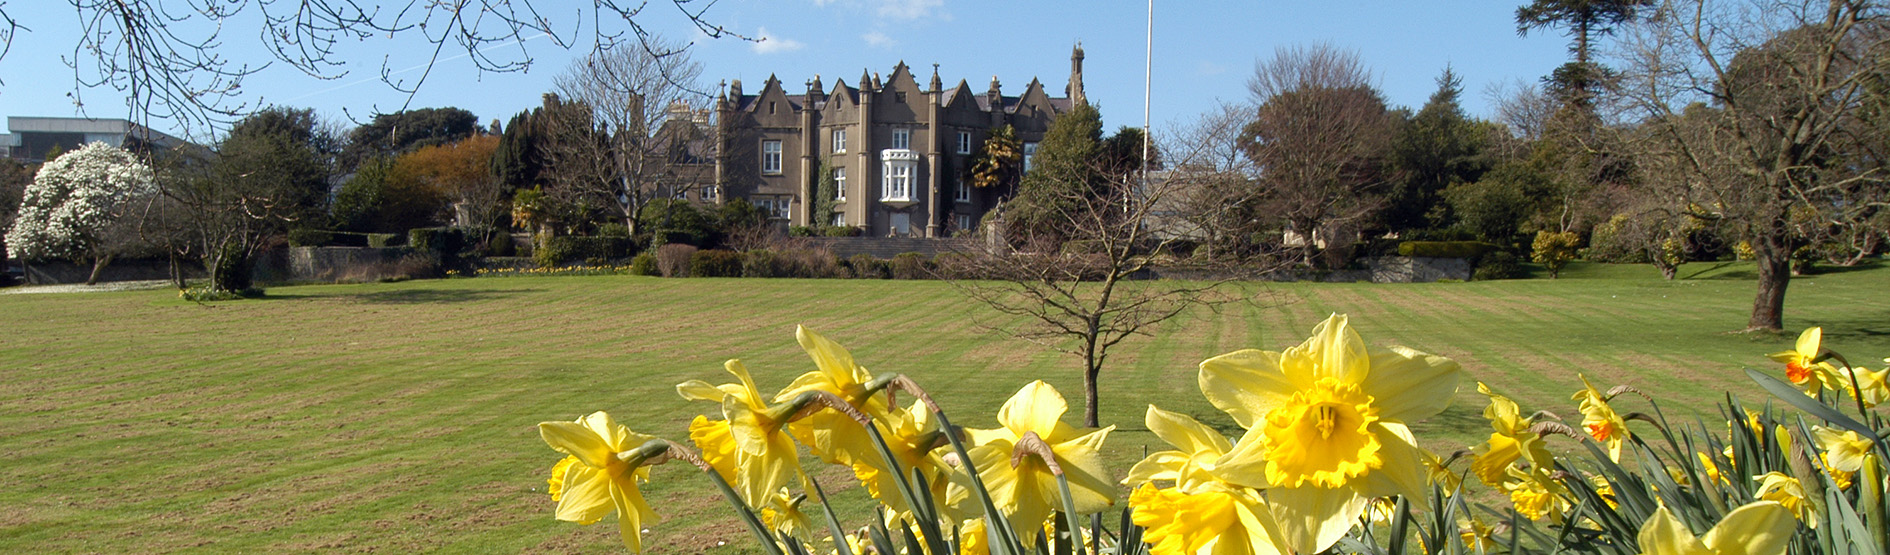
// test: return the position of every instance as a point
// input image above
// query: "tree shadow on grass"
(1855, 325)
(418, 296)
(1712, 271)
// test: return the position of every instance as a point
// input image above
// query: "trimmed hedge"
(309, 237)
(715, 263)
(448, 241)
(910, 265)
(561, 249)
(865, 266)
(1445, 249)
(644, 265)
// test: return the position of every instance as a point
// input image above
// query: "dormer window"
(902, 139)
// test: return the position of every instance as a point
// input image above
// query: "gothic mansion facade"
(895, 150)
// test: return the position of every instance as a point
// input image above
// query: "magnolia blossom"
(73, 198)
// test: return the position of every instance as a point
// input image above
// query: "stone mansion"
(896, 150)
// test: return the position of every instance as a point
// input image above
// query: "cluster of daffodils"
(1325, 460)
(1816, 370)
(599, 270)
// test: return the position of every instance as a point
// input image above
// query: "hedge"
(715, 263)
(1445, 249)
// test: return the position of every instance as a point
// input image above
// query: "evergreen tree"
(1433, 150)
(1063, 174)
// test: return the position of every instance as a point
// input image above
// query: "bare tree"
(640, 103)
(1750, 102)
(173, 61)
(1213, 199)
(1320, 136)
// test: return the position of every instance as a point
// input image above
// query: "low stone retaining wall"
(61, 272)
(329, 264)
(1384, 269)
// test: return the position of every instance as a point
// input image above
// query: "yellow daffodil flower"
(717, 444)
(1510, 441)
(1021, 484)
(599, 474)
(783, 515)
(1788, 493)
(1440, 474)
(1757, 528)
(1536, 495)
(765, 457)
(1600, 420)
(913, 436)
(830, 435)
(1845, 450)
(1711, 467)
(1197, 447)
(1871, 388)
(1327, 426)
(1811, 377)
(972, 539)
(1213, 521)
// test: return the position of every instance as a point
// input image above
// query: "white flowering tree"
(70, 209)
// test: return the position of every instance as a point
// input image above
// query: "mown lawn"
(401, 417)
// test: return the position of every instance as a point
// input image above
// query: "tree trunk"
(98, 267)
(1090, 395)
(1773, 255)
(177, 273)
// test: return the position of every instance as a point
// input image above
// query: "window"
(960, 191)
(781, 207)
(1030, 155)
(898, 183)
(899, 96)
(839, 219)
(964, 142)
(708, 192)
(771, 157)
(839, 141)
(902, 139)
(840, 184)
(964, 222)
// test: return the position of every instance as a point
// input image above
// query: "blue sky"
(1204, 53)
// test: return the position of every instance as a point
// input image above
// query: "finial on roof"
(936, 85)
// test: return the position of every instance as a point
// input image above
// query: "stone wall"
(330, 264)
(62, 272)
(1384, 269)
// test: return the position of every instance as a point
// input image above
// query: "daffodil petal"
(1035, 408)
(1313, 518)
(1808, 342)
(631, 512)
(831, 358)
(1090, 488)
(1404, 471)
(1184, 432)
(1263, 536)
(575, 439)
(1408, 385)
(1663, 534)
(1161, 465)
(698, 390)
(1758, 528)
(587, 496)
(1246, 463)
(1337, 351)
(1246, 384)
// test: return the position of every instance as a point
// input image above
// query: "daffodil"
(1871, 388)
(765, 457)
(1197, 447)
(1326, 426)
(834, 437)
(599, 474)
(1812, 377)
(1757, 528)
(972, 539)
(783, 515)
(1600, 420)
(1020, 482)
(1510, 441)
(1213, 521)
(913, 437)
(1711, 467)
(1788, 493)
(1536, 495)
(1845, 450)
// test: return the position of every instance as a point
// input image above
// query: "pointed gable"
(1033, 100)
(958, 97)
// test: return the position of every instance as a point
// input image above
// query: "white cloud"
(908, 9)
(877, 39)
(1205, 67)
(767, 43)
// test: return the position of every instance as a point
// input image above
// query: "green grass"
(401, 417)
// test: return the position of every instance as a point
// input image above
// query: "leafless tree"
(1523, 107)
(1214, 199)
(173, 61)
(1750, 100)
(1093, 291)
(1319, 136)
(640, 102)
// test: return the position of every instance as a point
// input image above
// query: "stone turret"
(1075, 89)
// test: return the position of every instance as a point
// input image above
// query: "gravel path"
(83, 288)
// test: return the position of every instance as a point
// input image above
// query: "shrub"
(499, 244)
(910, 265)
(1553, 250)
(808, 263)
(596, 250)
(1444, 249)
(232, 269)
(800, 231)
(760, 264)
(672, 260)
(613, 229)
(1498, 265)
(383, 240)
(309, 237)
(715, 263)
(444, 240)
(644, 265)
(864, 266)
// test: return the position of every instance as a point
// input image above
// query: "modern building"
(31, 138)
(896, 150)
